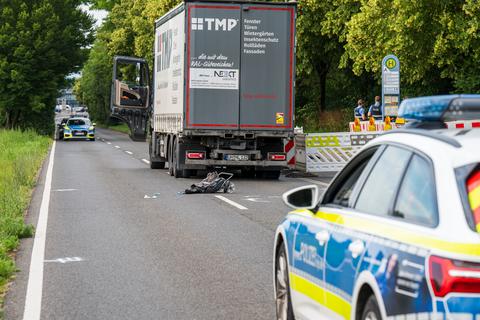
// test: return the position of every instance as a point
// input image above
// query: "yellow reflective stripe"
(397, 233)
(478, 227)
(316, 293)
(474, 198)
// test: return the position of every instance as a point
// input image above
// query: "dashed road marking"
(129, 152)
(320, 183)
(108, 142)
(66, 259)
(33, 299)
(64, 190)
(232, 203)
(118, 147)
(146, 161)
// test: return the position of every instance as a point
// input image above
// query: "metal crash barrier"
(327, 152)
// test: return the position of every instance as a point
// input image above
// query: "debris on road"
(213, 183)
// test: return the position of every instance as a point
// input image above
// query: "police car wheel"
(371, 311)
(282, 292)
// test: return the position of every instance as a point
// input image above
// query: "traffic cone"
(388, 125)
(356, 125)
(371, 124)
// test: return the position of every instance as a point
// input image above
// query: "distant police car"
(79, 128)
(397, 233)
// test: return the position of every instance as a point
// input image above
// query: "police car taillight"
(453, 276)
(473, 190)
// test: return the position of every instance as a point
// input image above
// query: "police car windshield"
(78, 122)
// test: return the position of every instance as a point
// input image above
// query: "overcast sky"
(98, 15)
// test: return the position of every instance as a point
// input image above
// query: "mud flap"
(130, 94)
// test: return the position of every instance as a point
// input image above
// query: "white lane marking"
(146, 161)
(66, 259)
(118, 147)
(64, 190)
(233, 203)
(323, 184)
(129, 152)
(154, 196)
(108, 142)
(257, 199)
(103, 140)
(33, 300)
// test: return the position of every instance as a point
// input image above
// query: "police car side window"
(416, 199)
(343, 195)
(378, 192)
(341, 190)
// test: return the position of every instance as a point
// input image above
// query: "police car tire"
(371, 309)
(281, 251)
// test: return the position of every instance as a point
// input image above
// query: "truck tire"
(177, 173)
(154, 164)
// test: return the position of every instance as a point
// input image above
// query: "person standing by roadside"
(359, 111)
(375, 109)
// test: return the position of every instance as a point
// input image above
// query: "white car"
(396, 234)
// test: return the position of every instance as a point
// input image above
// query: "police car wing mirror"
(306, 197)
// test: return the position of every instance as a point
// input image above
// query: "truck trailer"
(222, 90)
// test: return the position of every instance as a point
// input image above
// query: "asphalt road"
(122, 241)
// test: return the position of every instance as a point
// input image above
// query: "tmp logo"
(214, 24)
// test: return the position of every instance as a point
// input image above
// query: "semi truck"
(222, 90)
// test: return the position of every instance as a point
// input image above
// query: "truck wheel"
(170, 161)
(154, 164)
(177, 173)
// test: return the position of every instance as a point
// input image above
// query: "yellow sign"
(391, 63)
(280, 118)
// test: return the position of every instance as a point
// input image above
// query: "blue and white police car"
(396, 235)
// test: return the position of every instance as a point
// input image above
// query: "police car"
(397, 233)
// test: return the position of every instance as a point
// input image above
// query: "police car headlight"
(91, 128)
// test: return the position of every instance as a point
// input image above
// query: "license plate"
(79, 134)
(237, 157)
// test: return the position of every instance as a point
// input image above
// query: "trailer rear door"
(267, 67)
(240, 66)
(213, 46)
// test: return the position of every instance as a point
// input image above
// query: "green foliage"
(128, 31)
(41, 41)
(340, 46)
(21, 155)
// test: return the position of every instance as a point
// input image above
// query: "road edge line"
(33, 299)
(232, 203)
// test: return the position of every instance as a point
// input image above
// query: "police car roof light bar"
(441, 108)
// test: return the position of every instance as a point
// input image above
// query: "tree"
(41, 42)
(128, 31)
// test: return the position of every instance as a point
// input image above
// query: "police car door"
(310, 292)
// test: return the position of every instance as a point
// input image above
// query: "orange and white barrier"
(290, 151)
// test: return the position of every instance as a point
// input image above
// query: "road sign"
(390, 85)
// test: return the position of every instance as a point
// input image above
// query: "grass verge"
(121, 127)
(21, 155)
